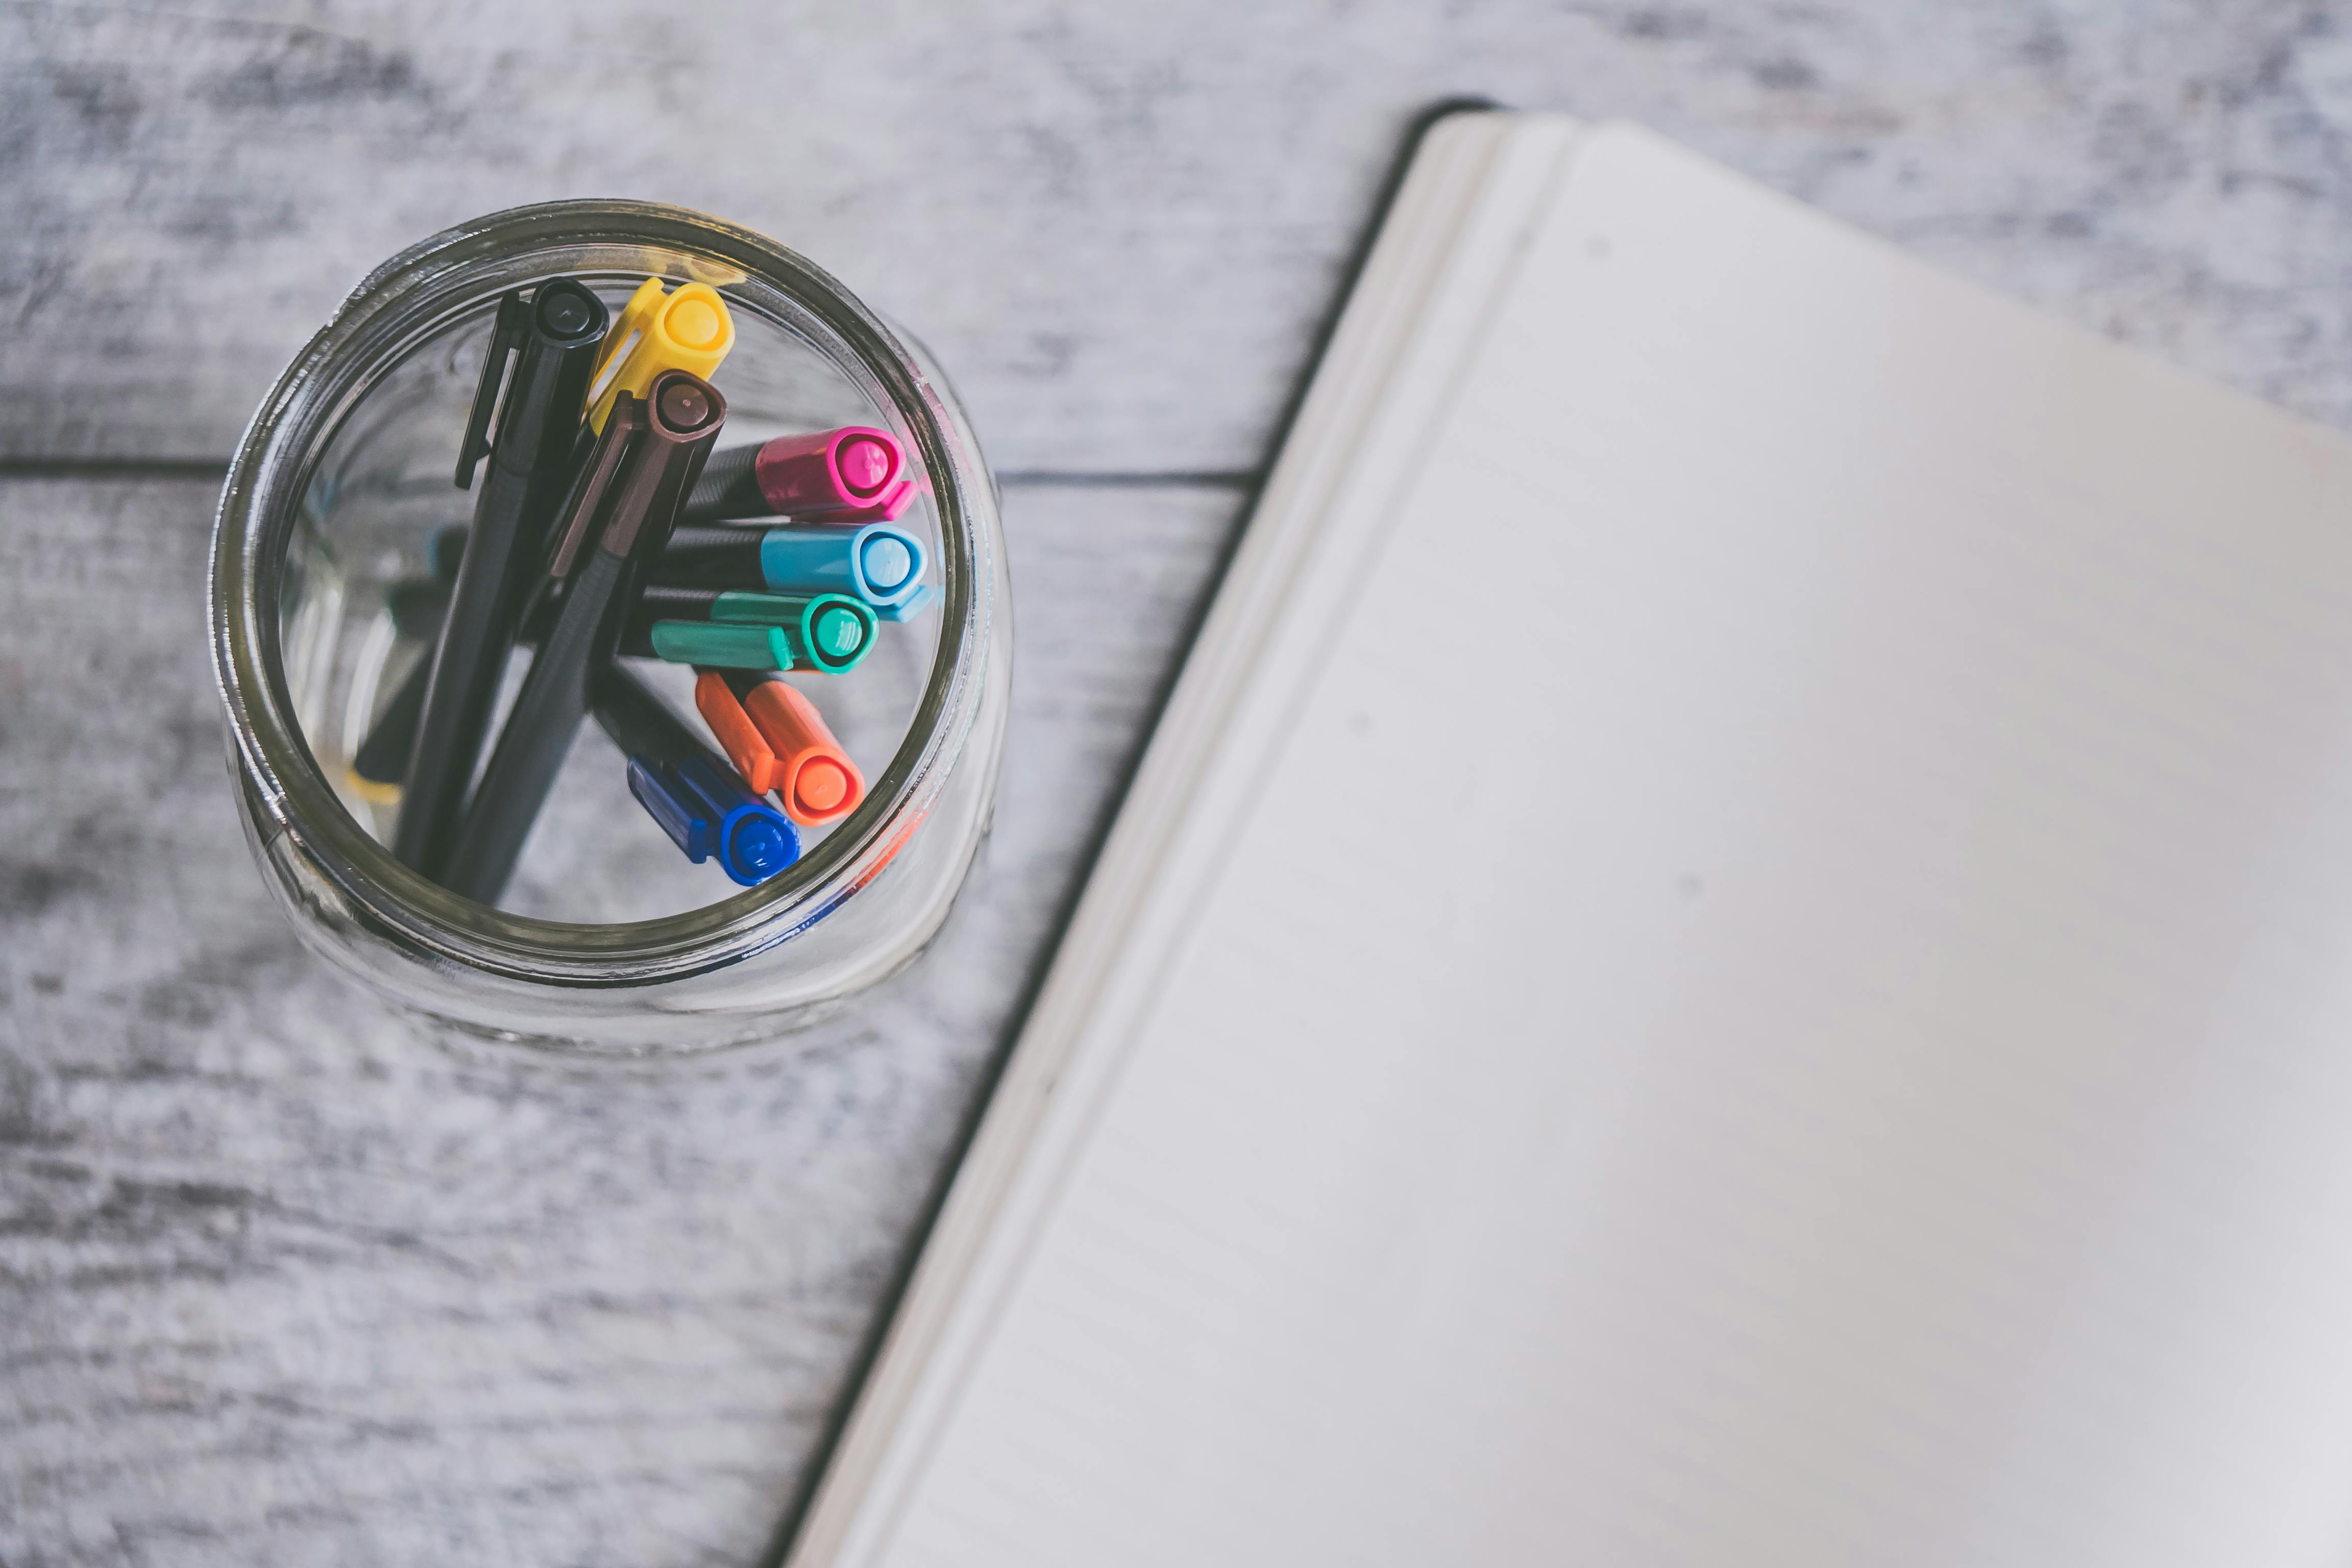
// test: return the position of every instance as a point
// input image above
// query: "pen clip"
(596, 478)
(506, 336)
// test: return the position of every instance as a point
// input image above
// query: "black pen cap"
(552, 342)
(567, 325)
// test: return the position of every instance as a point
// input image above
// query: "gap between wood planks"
(185, 468)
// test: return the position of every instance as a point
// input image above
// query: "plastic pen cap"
(817, 781)
(908, 608)
(835, 633)
(689, 329)
(828, 632)
(678, 813)
(707, 813)
(855, 474)
(736, 734)
(880, 563)
(724, 644)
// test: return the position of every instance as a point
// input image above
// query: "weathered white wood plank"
(282, 1283)
(1118, 224)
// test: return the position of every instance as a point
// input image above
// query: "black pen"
(637, 475)
(552, 341)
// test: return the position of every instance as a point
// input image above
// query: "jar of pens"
(612, 620)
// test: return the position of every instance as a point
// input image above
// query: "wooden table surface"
(282, 1280)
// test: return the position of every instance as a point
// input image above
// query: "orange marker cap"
(818, 784)
(736, 734)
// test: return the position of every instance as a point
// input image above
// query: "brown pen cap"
(650, 453)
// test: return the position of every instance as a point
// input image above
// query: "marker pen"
(704, 807)
(719, 643)
(829, 633)
(776, 734)
(879, 563)
(627, 502)
(551, 340)
(689, 331)
(855, 474)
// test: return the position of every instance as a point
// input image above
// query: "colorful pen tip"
(867, 464)
(839, 633)
(819, 788)
(888, 562)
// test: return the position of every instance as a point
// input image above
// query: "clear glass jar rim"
(273, 462)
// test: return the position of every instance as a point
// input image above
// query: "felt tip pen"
(879, 563)
(717, 643)
(855, 474)
(551, 340)
(778, 741)
(690, 331)
(619, 517)
(706, 809)
(828, 633)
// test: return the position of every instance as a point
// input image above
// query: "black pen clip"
(506, 337)
(595, 478)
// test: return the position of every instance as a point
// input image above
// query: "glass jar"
(339, 487)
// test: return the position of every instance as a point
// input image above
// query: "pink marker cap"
(855, 474)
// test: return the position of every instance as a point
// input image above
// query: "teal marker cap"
(722, 645)
(832, 633)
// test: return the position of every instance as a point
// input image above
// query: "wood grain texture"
(282, 1283)
(1118, 224)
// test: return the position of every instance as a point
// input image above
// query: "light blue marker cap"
(907, 609)
(880, 563)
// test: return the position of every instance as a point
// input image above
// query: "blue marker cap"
(680, 816)
(880, 563)
(908, 608)
(706, 810)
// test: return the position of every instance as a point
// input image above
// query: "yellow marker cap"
(689, 329)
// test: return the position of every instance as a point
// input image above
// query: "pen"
(829, 633)
(855, 474)
(713, 643)
(879, 563)
(551, 340)
(778, 741)
(625, 502)
(689, 331)
(697, 800)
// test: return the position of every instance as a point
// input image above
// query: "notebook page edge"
(866, 1475)
(1121, 985)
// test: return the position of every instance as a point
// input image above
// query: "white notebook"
(1735, 950)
